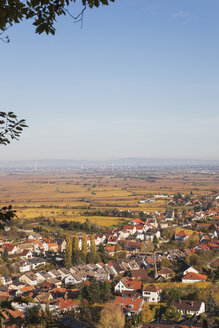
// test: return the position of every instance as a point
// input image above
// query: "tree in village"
(91, 292)
(156, 242)
(196, 260)
(84, 246)
(147, 246)
(5, 255)
(112, 316)
(43, 14)
(146, 313)
(211, 305)
(168, 294)
(116, 253)
(166, 263)
(92, 245)
(171, 314)
(76, 254)
(68, 252)
(105, 291)
(92, 255)
(193, 240)
(75, 247)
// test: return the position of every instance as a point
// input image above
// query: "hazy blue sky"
(141, 79)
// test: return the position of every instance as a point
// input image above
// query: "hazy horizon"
(139, 80)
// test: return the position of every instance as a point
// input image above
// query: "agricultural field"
(67, 196)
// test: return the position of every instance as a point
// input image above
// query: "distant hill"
(123, 162)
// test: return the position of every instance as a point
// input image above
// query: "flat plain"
(71, 195)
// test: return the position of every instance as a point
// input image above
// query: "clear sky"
(141, 79)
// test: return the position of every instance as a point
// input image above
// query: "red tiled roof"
(15, 313)
(139, 227)
(195, 276)
(4, 296)
(27, 289)
(126, 302)
(68, 303)
(138, 221)
(9, 247)
(111, 248)
(136, 285)
(129, 227)
(58, 290)
(52, 245)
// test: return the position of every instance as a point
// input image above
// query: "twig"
(76, 18)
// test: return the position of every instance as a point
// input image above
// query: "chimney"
(192, 303)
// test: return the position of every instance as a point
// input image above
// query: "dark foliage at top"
(43, 12)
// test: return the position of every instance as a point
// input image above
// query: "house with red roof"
(130, 228)
(65, 304)
(136, 221)
(128, 285)
(193, 277)
(11, 248)
(53, 247)
(181, 236)
(111, 249)
(113, 240)
(130, 305)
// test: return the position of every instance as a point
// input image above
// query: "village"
(160, 269)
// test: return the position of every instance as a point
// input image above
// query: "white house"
(151, 233)
(130, 228)
(125, 285)
(123, 234)
(54, 273)
(24, 266)
(42, 276)
(189, 270)
(189, 307)
(193, 277)
(72, 279)
(29, 278)
(151, 293)
(6, 280)
(64, 272)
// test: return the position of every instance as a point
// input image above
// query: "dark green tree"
(5, 255)
(171, 314)
(92, 292)
(211, 305)
(105, 291)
